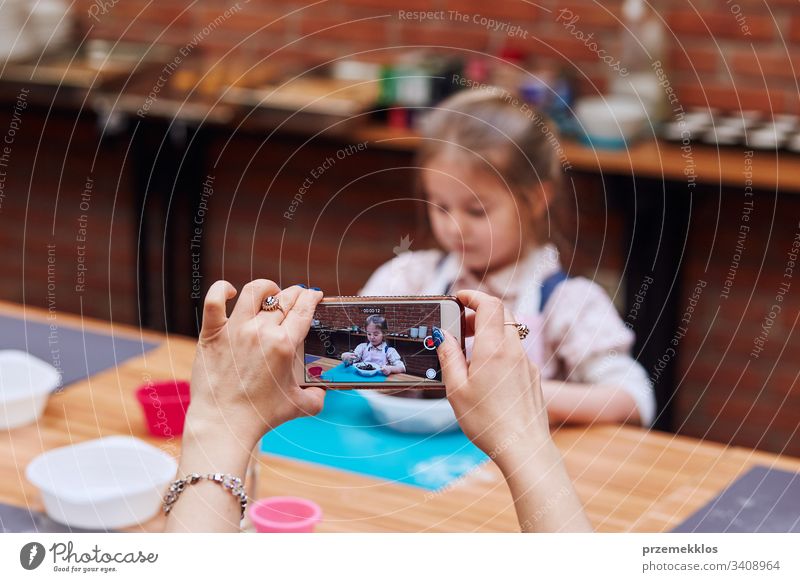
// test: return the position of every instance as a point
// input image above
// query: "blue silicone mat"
(76, 353)
(342, 373)
(346, 436)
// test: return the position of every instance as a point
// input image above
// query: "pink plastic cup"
(164, 404)
(315, 371)
(285, 515)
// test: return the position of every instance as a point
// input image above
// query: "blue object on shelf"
(603, 143)
(345, 436)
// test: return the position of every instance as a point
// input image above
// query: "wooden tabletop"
(329, 363)
(629, 479)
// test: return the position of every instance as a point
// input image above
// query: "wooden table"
(330, 363)
(629, 479)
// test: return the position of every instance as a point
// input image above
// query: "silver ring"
(522, 329)
(271, 303)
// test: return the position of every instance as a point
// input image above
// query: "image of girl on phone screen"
(375, 350)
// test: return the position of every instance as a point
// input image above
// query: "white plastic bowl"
(366, 373)
(412, 415)
(105, 483)
(25, 384)
(610, 119)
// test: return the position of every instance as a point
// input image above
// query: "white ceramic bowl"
(610, 119)
(366, 373)
(25, 385)
(413, 415)
(105, 483)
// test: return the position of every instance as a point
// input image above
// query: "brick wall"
(709, 42)
(350, 221)
(738, 372)
(724, 393)
(65, 209)
(399, 318)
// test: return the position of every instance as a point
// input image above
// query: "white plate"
(105, 483)
(25, 385)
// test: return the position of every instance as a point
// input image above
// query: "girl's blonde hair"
(379, 321)
(495, 131)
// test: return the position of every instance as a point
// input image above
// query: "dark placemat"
(763, 500)
(76, 353)
(15, 519)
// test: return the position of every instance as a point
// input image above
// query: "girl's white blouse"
(579, 336)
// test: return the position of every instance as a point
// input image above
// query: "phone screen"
(383, 342)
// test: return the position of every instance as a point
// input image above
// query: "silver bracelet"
(228, 481)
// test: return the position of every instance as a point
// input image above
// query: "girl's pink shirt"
(579, 336)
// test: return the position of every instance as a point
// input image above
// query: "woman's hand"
(243, 385)
(497, 399)
(243, 378)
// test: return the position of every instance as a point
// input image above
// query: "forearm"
(544, 498)
(206, 506)
(573, 403)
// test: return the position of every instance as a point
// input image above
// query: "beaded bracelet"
(229, 482)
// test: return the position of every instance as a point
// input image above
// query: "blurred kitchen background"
(152, 147)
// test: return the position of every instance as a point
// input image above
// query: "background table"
(629, 479)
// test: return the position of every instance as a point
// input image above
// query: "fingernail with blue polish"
(438, 337)
(302, 285)
(316, 289)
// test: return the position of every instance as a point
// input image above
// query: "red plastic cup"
(315, 371)
(284, 515)
(164, 404)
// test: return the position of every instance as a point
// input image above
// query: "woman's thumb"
(214, 310)
(453, 362)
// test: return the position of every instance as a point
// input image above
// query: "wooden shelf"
(650, 159)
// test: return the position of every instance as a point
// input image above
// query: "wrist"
(524, 452)
(215, 444)
(208, 456)
(206, 421)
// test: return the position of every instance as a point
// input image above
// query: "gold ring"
(271, 303)
(522, 329)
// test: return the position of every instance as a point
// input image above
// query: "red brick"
(762, 63)
(565, 47)
(459, 37)
(510, 10)
(721, 24)
(390, 6)
(732, 98)
(358, 30)
(590, 15)
(699, 59)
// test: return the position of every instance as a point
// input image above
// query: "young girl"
(489, 174)
(375, 351)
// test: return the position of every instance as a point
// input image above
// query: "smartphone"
(378, 342)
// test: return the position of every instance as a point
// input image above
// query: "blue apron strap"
(549, 285)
